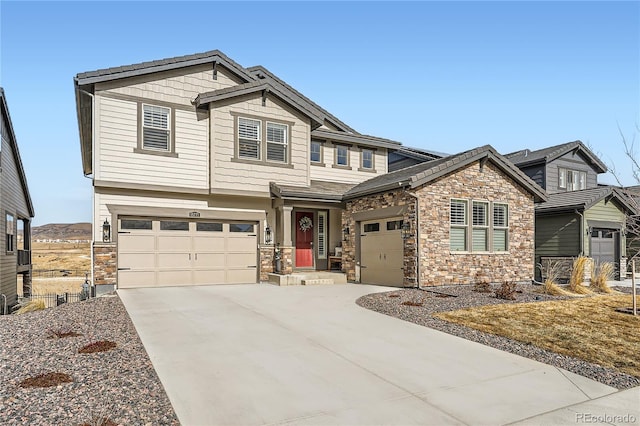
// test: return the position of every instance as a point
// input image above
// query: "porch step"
(317, 281)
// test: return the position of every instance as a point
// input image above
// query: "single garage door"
(603, 246)
(155, 252)
(381, 252)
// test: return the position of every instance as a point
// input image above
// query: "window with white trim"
(458, 230)
(500, 227)
(156, 128)
(342, 155)
(367, 159)
(480, 226)
(316, 152)
(571, 180)
(249, 138)
(277, 142)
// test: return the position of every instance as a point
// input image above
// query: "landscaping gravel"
(119, 384)
(435, 300)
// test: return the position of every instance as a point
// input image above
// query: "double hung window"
(156, 128)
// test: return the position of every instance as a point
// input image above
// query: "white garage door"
(381, 252)
(168, 252)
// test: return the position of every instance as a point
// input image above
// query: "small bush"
(604, 272)
(32, 306)
(410, 303)
(46, 380)
(482, 287)
(99, 346)
(394, 295)
(61, 333)
(577, 276)
(551, 276)
(507, 291)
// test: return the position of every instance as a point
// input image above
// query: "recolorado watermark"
(605, 418)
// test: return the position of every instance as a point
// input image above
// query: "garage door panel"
(381, 253)
(240, 260)
(244, 243)
(174, 243)
(209, 276)
(174, 277)
(174, 260)
(137, 260)
(213, 260)
(131, 279)
(138, 242)
(241, 276)
(208, 244)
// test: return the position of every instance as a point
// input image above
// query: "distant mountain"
(62, 231)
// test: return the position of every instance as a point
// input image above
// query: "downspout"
(4, 306)
(93, 196)
(417, 207)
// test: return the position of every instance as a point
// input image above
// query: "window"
(372, 227)
(135, 224)
(209, 226)
(394, 225)
(173, 225)
(342, 155)
(322, 235)
(277, 142)
(11, 232)
(156, 128)
(458, 219)
(249, 138)
(240, 227)
(367, 159)
(316, 152)
(572, 180)
(500, 227)
(480, 226)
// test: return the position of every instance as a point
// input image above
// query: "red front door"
(304, 240)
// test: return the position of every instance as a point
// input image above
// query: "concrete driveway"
(261, 354)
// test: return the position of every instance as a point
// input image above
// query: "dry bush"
(46, 380)
(32, 306)
(394, 295)
(410, 303)
(604, 272)
(482, 287)
(61, 333)
(507, 291)
(99, 346)
(552, 275)
(577, 276)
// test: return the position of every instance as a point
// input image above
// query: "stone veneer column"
(267, 253)
(287, 260)
(105, 266)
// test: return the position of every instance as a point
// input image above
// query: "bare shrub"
(61, 333)
(482, 287)
(31, 306)
(604, 272)
(577, 276)
(507, 291)
(410, 303)
(46, 380)
(551, 277)
(99, 346)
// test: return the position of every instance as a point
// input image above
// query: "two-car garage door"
(168, 252)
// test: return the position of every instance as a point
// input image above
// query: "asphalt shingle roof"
(525, 156)
(317, 190)
(583, 199)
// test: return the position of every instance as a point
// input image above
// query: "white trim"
(168, 129)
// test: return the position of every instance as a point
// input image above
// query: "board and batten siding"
(227, 174)
(606, 212)
(573, 162)
(13, 201)
(558, 235)
(179, 86)
(117, 137)
(327, 172)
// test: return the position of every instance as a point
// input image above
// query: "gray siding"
(12, 201)
(557, 235)
(536, 174)
(573, 162)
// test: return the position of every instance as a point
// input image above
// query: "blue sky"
(442, 76)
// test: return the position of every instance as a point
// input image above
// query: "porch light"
(106, 231)
(406, 230)
(346, 233)
(268, 236)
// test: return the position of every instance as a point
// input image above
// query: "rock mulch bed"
(117, 383)
(423, 303)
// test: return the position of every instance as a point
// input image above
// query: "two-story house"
(204, 171)
(580, 217)
(17, 213)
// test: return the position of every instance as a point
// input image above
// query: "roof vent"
(526, 153)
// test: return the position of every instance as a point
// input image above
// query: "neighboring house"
(206, 171)
(17, 212)
(462, 219)
(580, 217)
(406, 156)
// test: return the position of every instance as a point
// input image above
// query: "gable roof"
(262, 73)
(526, 157)
(11, 137)
(584, 200)
(256, 86)
(142, 68)
(337, 136)
(317, 190)
(420, 174)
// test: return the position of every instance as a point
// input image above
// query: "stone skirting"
(267, 266)
(105, 268)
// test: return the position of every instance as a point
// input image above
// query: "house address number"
(194, 214)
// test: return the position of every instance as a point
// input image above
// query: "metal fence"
(58, 273)
(52, 299)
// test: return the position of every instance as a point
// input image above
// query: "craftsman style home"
(17, 212)
(206, 172)
(580, 217)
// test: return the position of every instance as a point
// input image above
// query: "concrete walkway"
(261, 354)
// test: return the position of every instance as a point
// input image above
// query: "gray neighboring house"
(408, 156)
(580, 217)
(17, 212)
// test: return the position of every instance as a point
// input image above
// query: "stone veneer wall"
(105, 266)
(287, 260)
(375, 202)
(266, 262)
(440, 266)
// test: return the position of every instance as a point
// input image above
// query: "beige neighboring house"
(205, 171)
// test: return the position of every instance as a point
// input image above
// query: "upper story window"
(249, 136)
(367, 159)
(11, 233)
(277, 142)
(342, 155)
(156, 129)
(571, 180)
(315, 152)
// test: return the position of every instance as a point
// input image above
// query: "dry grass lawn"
(587, 328)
